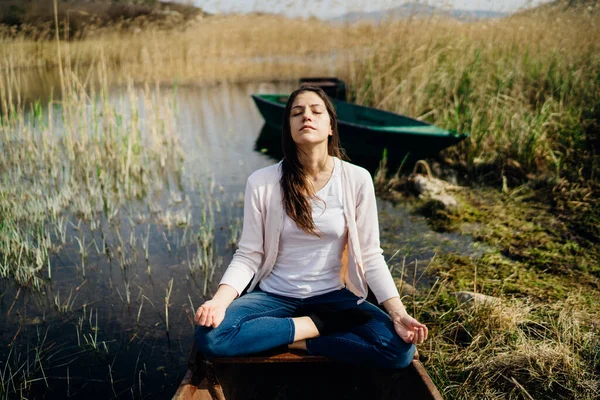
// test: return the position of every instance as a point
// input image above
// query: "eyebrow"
(312, 105)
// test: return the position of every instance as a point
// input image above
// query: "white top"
(258, 248)
(307, 265)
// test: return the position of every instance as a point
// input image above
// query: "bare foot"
(298, 345)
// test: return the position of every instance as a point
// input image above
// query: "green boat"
(365, 132)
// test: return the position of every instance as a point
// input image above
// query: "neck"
(315, 160)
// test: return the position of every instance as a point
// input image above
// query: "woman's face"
(309, 120)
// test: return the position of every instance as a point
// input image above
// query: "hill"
(84, 17)
(417, 9)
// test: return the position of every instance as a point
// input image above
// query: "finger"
(426, 333)
(421, 335)
(197, 315)
(408, 337)
(209, 319)
(417, 336)
(203, 317)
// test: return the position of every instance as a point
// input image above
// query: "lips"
(307, 127)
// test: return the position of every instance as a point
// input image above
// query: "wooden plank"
(424, 376)
(295, 381)
(285, 357)
(188, 391)
(277, 356)
(289, 375)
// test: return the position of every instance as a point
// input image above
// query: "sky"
(333, 8)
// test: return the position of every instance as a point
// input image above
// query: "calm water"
(104, 335)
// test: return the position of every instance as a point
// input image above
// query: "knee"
(404, 357)
(398, 354)
(211, 342)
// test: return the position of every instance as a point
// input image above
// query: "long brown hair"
(294, 189)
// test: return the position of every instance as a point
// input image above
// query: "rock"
(404, 287)
(477, 298)
(428, 187)
(425, 185)
(448, 202)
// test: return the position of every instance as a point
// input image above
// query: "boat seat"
(241, 375)
(275, 357)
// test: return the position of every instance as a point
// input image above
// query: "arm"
(243, 266)
(374, 266)
(376, 270)
(249, 254)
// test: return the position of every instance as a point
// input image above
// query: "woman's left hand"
(409, 329)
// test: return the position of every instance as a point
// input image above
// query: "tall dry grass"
(525, 87)
(510, 346)
(220, 48)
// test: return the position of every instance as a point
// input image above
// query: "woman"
(309, 248)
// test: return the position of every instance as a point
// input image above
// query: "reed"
(235, 232)
(167, 300)
(67, 306)
(88, 160)
(20, 368)
(83, 252)
(524, 87)
(231, 48)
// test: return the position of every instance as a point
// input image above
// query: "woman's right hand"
(211, 313)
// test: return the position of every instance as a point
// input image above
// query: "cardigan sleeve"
(376, 271)
(249, 254)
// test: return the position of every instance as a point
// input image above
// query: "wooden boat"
(365, 132)
(332, 86)
(289, 375)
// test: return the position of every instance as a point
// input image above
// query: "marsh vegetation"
(115, 223)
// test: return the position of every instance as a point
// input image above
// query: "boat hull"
(363, 142)
(309, 380)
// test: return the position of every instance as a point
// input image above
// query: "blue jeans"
(259, 321)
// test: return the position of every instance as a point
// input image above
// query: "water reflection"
(269, 142)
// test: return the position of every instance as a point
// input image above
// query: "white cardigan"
(363, 261)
